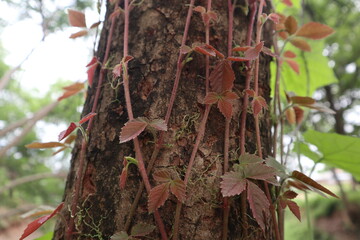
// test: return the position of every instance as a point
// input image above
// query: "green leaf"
(337, 150)
(247, 158)
(320, 73)
(142, 229)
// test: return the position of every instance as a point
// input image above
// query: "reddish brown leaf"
(240, 49)
(45, 145)
(238, 59)
(268, 51)
(34, 225)
(290, 115)
(157, 197)
(302, 100)
(123, 177)
(132, 129)
(305, 179)
(211, 98)
(274, 17)
(219, 54)
(290, 25)
(299, 113)
(162, 176)
(158, 124)
(258, 103)
(259, 171)
(199, 9)
(294, 65)
(117, 70)
(94, 25)
(250, 92)
(222, 77)
(178, 188)
(290, 194)
(298, 185)
(67, 132)
(59, 151)
(87, 117)
(70, 139)
(287, 2)
(67, 94)
(205, 50)
(282, 202)
(258, 203)
(253, 53)
(301, 44)
(225, 108)
(314, 30)
(91, 71)
(233, 183)
(228, 95)
(127, 58)
(74, 87)
(92, 62)
(294, 208)
(76, 18)
(79, 34)
(212, 15)
(289, 54)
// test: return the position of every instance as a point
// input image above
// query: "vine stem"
(138, 152)
(256, 117)
(167, 117)
(253, 9)
(199, 137)
(81, 169)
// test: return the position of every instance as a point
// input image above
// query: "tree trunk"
(156, 29)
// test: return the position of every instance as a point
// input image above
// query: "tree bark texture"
(156, 30)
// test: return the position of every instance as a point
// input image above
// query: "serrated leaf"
(132, 129)
(203, 49)
(240, 49)
(162, 176)
(259, 171)
(44, 145)
(158, 124)
(87, 117)
(294, 208)
(157, 197)
(211, 98)
(228, 95)
(302, 100)
(289, 54)
(314, 30)
(291, 25)
(178, 188)
(233, 183)
(301, 44)
(120, 236)
(67, 132)
(253, 53)
(258, 203)
(250, 92)
(79, 34)
(34, 225)
(268, 51)
(123, 177)
(280, 169)
(219, 54)
(222, 77)
(293, 64)
(258, 103)
(225, 108)
(290, 194)
(76, 18)
(305, 179)
(142, 229)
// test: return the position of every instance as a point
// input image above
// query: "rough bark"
(156, 29)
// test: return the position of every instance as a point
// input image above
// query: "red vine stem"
(179, 64)
(199, 137)
(138, 153)
(80, 171)
(207, 41)
(167, 117)
(256, 117)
